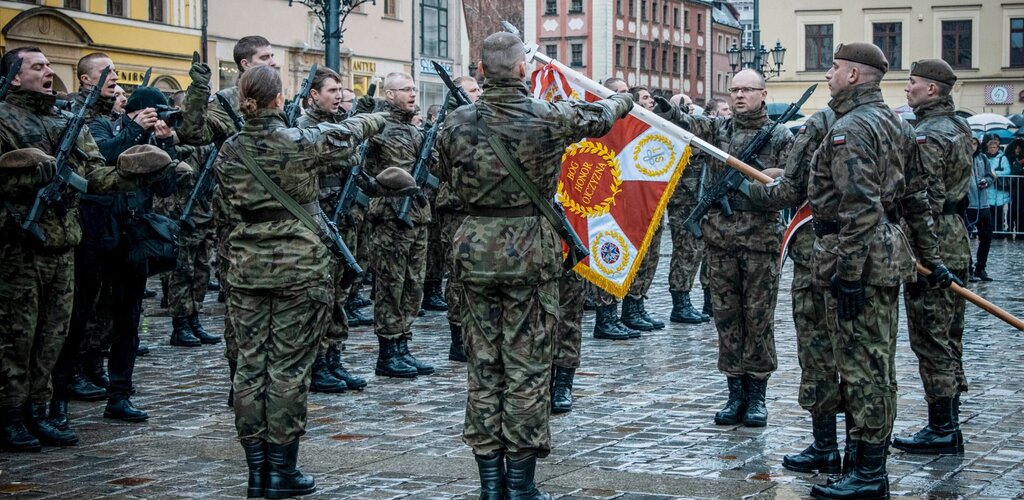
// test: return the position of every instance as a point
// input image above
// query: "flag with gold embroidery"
(614, 188)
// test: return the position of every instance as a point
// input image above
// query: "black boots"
(457, 351)
(181, 334)
(421, 367)
(519, 481)
(354, 315)
(81, 389)
(941, 436)
(757, 411)
(708, 309)
(389, 360)
(607, 325)
(683, 311)
(59, 413)
(283, 479)
(561, 390)
(14, 436)
(92, 367)
(338, 370)
(44, 430)
(823, 454)
(633, 315)
(736, 407)
(492, 476)
(256, 459)
(123, 409)
(867, 478)
(323, 380)
(199, 332)
(433, 296)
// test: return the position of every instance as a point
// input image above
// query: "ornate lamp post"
(332, 15)
(749, 57)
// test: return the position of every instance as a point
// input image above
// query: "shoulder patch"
(922, 139)
(839, 139)
(803, 129)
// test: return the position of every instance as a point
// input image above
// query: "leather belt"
(524, 211)
(275, 214)
(330, 181)
(825, 227)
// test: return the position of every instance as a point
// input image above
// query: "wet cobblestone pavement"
(641, 427)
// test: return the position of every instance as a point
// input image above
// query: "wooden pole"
(980, 302)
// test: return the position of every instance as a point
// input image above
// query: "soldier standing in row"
(507, 258)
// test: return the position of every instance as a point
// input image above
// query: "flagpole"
(653, 119)
(978, 301)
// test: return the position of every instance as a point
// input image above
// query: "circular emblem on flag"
(610, 249)
(654, 155)
(591, 178)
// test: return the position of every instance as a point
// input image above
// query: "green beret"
(934, 69)
(141, 160)
(395, 178)
(23, 159)
(863, 53)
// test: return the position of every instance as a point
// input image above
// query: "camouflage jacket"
(944, 151)
(857, 175)
(514, 250)
(204, 119)
(446, 200)
(202, 211)
(282, 254)
(397, 146)
(30, 120)
(686, 191)
(331, 182)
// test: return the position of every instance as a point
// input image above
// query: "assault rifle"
(294, 108)
(202, 189)
(461, 98)
(421, 169)
(350, 191)
(51, 194)
(6, 80)
(718, 193)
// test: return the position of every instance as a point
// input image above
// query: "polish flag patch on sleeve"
(803, 129)
(922, 139)
(839, 140)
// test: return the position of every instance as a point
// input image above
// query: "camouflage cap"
(863, 53)
(23, 159)
(934, 69)
(395, 178)
(141, 160)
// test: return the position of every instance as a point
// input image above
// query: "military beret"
(23, 159)
(141, 160)
(863, 53)
(395, 178)
(934, 69)
(145, 97)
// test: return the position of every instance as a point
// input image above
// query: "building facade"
(726, 32)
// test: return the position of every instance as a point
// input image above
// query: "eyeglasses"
(744, 90)
(407, 90)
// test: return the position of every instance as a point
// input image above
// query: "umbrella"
(1017, 119)
(775, 110)
(1004, 135)
(986, 121)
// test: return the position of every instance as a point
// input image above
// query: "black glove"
(365, 104)
(941, 277)
(850, 297)
(45, 172)
(200, 73)
(661, 105)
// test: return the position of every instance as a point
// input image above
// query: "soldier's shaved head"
(616, 84)
(502, 56)
(396, 80)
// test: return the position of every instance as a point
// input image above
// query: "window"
(551, 50)
(664, 15)
(664, 60)
(434, 28)
(686, 64)
(889, 38)
(156, 11)
(618, 7)
(577, 55)
(73, 4)
(654, 12)
(632, 8)
(643, 10)
(686, 20)
(700, 23)
(1017, 42)
(719, 49)
(391, 8)
(675, 62)
(576, 6)
(551, 8)
(675, 16)
(700, 66)
(629, 56)
(618, 54)
(818, 56)
(956, 43)
(115, 8)
(643, 57)
(654, 59)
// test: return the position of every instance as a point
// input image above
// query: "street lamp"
(757, 58)
(734, 56)
(332, 15)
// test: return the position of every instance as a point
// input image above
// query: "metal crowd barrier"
(1007, 200)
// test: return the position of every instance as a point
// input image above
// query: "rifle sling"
(235, 119)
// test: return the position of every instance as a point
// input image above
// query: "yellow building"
(136, 34)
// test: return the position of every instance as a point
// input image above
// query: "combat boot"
(232, 368)
(357, 301)
(181, 333)
(736, 407)
(632, 315)
(355, 316)
(939, 437)
(757, 411)
(199, 332)
(823, 454)
(708, 309)
(256, 459)
(421, 367)
(433, 297)
(14, 436)
(492, 476)
(657, 324)
(59, 413)
(866, 480)
(92, 367)
(956, 417)
(683, 311)
(561, 391)
(389, 360)
(44, 430)
(81, 389)
(123, 409)
(519, 479)
(323, 380)
(606, 326)
(284, 480)
(338, 370)
(457, 351)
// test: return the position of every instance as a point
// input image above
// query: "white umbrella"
(986, 121)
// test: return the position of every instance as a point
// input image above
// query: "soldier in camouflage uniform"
(36, 277)
(742, 253)
(507, 258)
(280, 272)
(329, 374)
(935, 317)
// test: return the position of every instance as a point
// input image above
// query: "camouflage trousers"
(687, 252)
(436, 263)
(819, 379)
(277, 332)
(230, 346)
(187, 283)
(450, 223)
(569, 335)
(935, 319)
(744, 291)
(36, 295)
(865, 350)
(507, 332)
(337, 333)
(364, 254)
(398, 269)
(645, 275)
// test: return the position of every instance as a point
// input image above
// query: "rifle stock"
(294, 108)
(350, 191)
(420, 170)
(202, 189)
